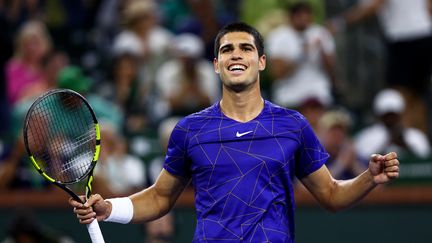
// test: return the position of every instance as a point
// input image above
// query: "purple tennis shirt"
(243, 172)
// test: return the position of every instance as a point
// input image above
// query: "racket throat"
(69, 191)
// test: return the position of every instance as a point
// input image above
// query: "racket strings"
(62, 131)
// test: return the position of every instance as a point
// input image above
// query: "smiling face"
(238, 62)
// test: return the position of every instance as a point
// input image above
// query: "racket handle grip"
(95, 232)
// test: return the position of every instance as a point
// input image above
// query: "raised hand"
(384, 167)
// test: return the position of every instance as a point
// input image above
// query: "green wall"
(396, 224)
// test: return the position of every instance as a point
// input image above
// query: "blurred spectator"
(72, 77)
(313, 109)
(118, 172)
(188, 82)
(54, 62)
(161, 230)
(15, 170)
(407, 28)
(24, 72)
(254, 11)
(203, 18)
(143, 34)
(333, 132)
(389, 133)
(266, 15)
(301, 59)
(124, 89)
(145, 37)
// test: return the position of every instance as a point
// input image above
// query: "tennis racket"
(62, 139)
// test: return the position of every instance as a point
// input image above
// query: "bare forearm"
(157, 200)
(149, 206)
(336, 195)
(345, 194)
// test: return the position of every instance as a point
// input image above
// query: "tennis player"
(242, 155)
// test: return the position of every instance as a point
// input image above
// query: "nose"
(236, 54)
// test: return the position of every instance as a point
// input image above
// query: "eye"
(225, 50)
(247, 48)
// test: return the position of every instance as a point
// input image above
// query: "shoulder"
(191, 125)
(197, 118)
(286, 114)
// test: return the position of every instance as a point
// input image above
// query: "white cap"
(188, 45)
(127, 43)
(389, 101)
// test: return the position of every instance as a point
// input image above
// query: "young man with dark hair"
(241, 155)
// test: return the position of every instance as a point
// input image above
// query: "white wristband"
(121, 210)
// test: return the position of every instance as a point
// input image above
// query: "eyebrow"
(231, 46)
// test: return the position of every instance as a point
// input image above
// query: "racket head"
(62, 136)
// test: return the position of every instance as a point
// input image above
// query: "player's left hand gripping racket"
(62, 138)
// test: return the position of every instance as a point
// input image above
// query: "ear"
(215, 65)
(262, 62)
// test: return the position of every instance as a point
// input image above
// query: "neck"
(242, 106)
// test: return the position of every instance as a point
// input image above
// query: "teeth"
(237, 67)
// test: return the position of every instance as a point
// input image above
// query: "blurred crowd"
(359, 70)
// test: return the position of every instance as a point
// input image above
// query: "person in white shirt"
(389, 133)
(301, 56)
(407, 28)
(187, 82)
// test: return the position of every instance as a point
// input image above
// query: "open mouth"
(237, 68)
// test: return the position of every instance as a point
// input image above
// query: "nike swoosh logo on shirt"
(242, 134)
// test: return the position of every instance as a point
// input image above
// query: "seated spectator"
(389, 133)
(24, 71)
(301, 59)
(188, 82)
(118, 172)
(143, 32)
(333, 132)
(124, 89)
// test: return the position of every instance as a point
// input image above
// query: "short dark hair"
(298, 7)
(240, 27)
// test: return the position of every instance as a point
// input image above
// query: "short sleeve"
(177, 161)
(311, 154)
